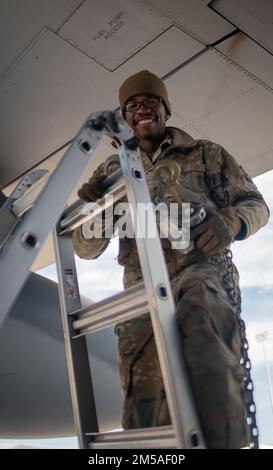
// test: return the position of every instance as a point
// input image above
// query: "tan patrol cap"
(143, 83)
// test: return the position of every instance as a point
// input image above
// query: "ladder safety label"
(70, 283)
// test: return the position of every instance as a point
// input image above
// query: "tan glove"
(92, 190)
(217, 232)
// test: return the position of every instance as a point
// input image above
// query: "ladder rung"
(147, 438)
(78, 213)
(119, 308)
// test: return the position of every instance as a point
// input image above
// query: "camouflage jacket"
(216, 180)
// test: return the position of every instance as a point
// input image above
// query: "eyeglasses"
(133, 106)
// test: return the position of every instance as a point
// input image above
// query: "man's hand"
(92, 190)
(217, 232)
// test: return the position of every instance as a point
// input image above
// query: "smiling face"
(148, 123)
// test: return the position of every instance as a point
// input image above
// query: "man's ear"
(167, 117)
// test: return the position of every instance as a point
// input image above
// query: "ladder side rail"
(81, 389)
(8, 221)
(23, 245)
(8, 213)
(162, 308)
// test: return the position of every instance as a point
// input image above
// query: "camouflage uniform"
(205, 318)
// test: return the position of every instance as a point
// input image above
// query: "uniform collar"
(173, 137)
(167, 142)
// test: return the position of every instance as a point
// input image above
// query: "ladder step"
(119, 308)
(162, 437)
(81, 212)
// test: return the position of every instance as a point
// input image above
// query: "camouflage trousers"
(211, 348)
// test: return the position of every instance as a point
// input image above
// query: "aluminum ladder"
(27, 219)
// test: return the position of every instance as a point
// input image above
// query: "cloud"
(64, 443)
(254, 260)
(258, 353)
(264, 184)
(101, 277)
(254, 256)
(98, 278)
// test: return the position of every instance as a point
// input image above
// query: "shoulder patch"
(210, 149)
(193, 166)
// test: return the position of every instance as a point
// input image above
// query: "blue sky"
(254, 259)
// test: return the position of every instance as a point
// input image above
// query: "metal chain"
(224, 263)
